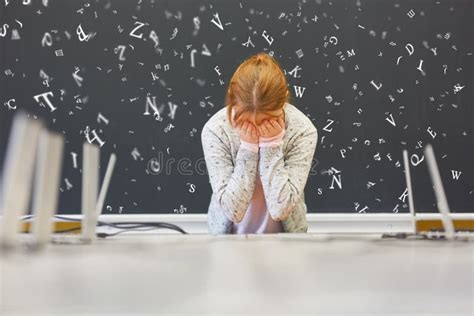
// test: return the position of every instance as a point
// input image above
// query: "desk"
(275, 274)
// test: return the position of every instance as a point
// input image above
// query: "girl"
(258, 152)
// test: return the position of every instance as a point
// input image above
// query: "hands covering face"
(269, 128)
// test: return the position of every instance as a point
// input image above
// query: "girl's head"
(257, 90)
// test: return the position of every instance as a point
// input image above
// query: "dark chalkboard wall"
(375, 77)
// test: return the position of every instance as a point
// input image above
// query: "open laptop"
(40, 158)
(441, 199)
(440, 195)
(91, 202)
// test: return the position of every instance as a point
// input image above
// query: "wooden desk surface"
(278, 274)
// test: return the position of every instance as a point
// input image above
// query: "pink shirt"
(257, 219)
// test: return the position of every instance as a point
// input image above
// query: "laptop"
(91, 203)
(441, 199)
(33, 152)
(440, 195)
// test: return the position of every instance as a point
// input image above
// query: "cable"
(154, 224)
(104, 235)
(125, 226)
(118, 224)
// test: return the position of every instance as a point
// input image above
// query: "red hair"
(258, 85)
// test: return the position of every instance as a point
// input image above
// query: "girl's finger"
(250, 128)
(275, 124)
(281, 122)
(242, 127)
(265, 127)
(254, 132)
(261, 127)
(237, 120)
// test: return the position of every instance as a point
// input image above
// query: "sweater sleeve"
(232, 184)
(250, 146)
(272, 141)
(283, 181)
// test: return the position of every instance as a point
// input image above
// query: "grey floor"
(278, 274)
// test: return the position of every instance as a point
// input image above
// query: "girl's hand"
(248, 132)
(272, 127)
